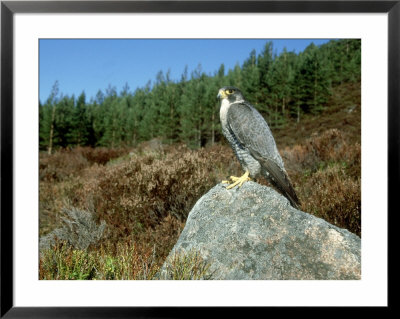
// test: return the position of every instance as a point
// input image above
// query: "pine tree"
(91, 110)
(193, 110)
(79, 122)
(265, 62)
(312, 81)
(167, 99)
(234, 77)
(148, 124)
(282, 81)
(250, 77)
(110, 123)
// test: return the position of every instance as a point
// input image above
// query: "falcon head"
(231, 93)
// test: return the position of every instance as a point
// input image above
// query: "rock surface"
(252, 232)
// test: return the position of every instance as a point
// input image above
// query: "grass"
(186, 266)
(117, 213)
(64, 262)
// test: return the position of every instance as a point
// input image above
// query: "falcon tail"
(281, 181)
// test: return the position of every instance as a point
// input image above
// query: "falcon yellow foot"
(238, 180)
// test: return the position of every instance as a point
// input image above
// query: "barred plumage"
(251, 139)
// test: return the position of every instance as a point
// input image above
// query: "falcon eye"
(229, 91)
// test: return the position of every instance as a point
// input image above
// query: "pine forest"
(282, 87)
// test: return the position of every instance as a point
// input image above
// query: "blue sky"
(90, 65)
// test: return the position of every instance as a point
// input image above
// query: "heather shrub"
(144, 198)
(79, 230)
(324, 147)
(163, 236)
(333, 196)
(326, 171)
(321, 150)
(153, 146)
(69, 162)
(101, 155)
(351, 155)
(54, 197)
(51, 203)
(60, 165)
(142, 192)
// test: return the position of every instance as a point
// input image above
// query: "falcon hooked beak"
(221, 94)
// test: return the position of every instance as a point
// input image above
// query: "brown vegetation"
(144, 194)
(327, 173)
(67, 162)
(144, 198)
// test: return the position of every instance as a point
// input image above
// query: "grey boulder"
(252, 232)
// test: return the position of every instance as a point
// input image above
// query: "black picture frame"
(9, 8)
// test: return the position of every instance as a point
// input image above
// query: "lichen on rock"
(253, 232)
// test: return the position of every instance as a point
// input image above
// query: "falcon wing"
(251, 130)
(280, 180)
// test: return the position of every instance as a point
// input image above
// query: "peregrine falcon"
(253, 143)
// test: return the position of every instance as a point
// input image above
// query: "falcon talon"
(232, 185)
(239, 180)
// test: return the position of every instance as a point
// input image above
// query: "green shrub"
(63, 262)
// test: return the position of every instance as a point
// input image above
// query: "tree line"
(281, 87)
